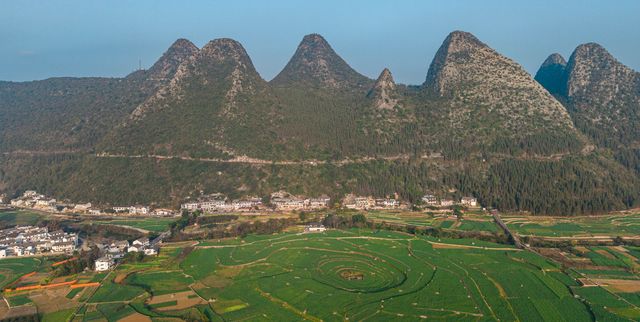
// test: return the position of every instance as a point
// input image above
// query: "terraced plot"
(610, 225)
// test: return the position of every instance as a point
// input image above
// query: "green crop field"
(13, 268)
(20, 217)
(150, 224)
(610, 225)
(476, 221)
(342, 275)
(377, 276)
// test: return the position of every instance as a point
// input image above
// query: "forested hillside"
(203, 121)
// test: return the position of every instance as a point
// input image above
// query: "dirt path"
(315, 162)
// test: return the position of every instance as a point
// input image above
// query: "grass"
(20, 217)
(110, 291)
(115, 311)
(73, 293)
(59, 316)
(290, 277)
(13, 268)
(18, 300)
(150, 224)
(161, 282)
(360, 274)
(609, 225)
(164, 304)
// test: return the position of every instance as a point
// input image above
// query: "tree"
(358, 220)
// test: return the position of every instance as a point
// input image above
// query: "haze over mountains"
(564, 143)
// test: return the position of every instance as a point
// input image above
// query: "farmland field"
(609, 225)
(471, 222)
(13, 268)
(377, 276)
(20, 217)
(352, 275)
(149, 224)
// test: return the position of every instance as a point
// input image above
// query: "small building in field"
(104, 263)
(314, 228)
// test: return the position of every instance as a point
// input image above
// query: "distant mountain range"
(203, 120)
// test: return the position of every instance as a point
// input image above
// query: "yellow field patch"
(619, 286)
(229, 306)
(135, 317)
(183, 300)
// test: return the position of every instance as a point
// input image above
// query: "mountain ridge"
(479, 125)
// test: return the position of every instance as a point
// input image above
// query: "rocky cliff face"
(479, 83)
(384, 93)
(316, 64)
(165, 68)
(220, 63)
(602, 95)
(594, 73)
(552, 74)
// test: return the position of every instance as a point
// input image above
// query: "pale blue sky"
(41, 39)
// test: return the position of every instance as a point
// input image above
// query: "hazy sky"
(41, 39)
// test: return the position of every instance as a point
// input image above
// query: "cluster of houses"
(285, 202)
(218, 203)
(30, 240)
(117, 249)
(431, 200)
(366, 203)
(33, 200)
(280, 201)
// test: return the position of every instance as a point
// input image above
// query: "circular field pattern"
(378, 276)
(358, 273)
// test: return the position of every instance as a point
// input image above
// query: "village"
(30, 241)
(218, 203)
(115, 251)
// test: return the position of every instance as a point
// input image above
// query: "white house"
(162, 212)
(140, 210)
(469, 201)
(288, 203)
(144, 241)
(190, 206)
(66, 247)
(430, 200)
(318, 203)
(104, 264)
(151, 251)
(314, 228)
(446, 202)
(387, 203)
